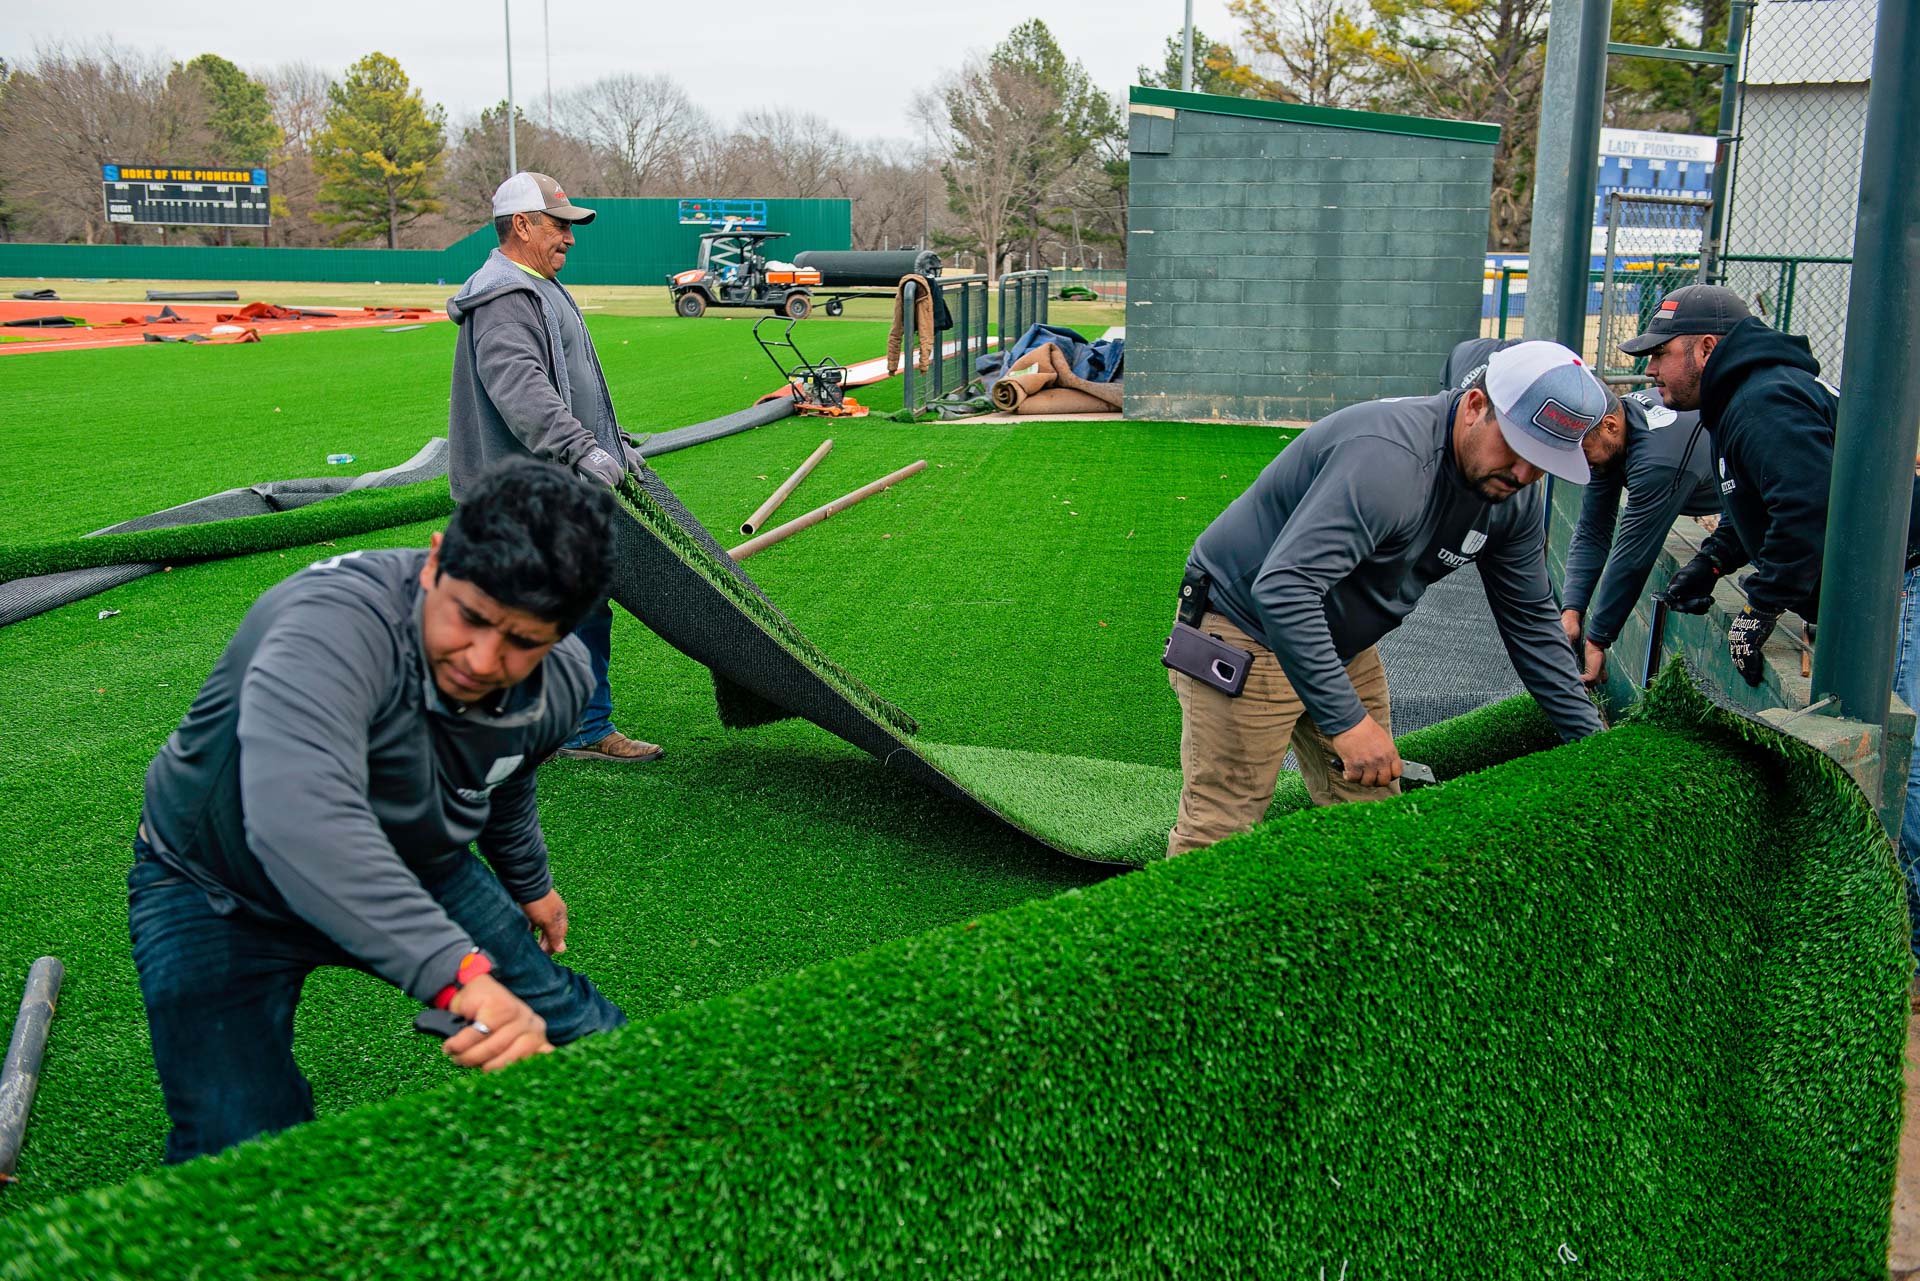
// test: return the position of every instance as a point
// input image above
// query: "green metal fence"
(1023, 303)
(631, 242)
(955, 350)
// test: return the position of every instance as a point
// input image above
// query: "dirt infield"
(121, 324)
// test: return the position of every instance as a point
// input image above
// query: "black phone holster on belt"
(1201, 655)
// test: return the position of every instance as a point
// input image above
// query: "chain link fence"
(1795, 185)
(1653, 247)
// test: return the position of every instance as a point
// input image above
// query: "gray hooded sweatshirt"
(319, 771)
(526, 379)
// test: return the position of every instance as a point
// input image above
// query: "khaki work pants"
(1231, 748)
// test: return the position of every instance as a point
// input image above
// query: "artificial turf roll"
(342, 515)
(1478, 1031)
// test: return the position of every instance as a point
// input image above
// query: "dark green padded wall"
(1284, 261)
(631, 242)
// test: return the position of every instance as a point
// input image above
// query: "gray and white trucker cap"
(1546, 401)
(536, 193)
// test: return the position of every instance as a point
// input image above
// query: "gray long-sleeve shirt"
(319, 771)
(526, 377)
(1666, 471)
(1336, 541)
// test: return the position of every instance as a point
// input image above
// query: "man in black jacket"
(1771, 420)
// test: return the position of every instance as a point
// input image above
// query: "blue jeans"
(220, 990)
(1906, 683)
(596, 719)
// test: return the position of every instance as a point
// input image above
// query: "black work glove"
(1690, 590)
(601, 466)
(1747, 633)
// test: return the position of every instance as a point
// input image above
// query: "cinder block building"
(1284, 260)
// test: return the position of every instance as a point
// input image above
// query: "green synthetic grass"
(1480, 1031)
(343, 515)
(97, 437)
(742, 856)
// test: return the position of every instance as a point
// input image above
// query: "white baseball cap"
(537, 193)
(1546, 400)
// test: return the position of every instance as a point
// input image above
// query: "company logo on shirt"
(502, 769)
(1726, 481)
(1469, 547)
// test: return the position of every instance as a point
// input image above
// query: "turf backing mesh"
(105, 567)
(673, 576)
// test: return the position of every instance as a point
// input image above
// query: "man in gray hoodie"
(527, 382)
(375, 719)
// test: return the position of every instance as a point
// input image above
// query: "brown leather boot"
(615, 747)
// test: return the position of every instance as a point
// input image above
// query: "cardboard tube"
(819, 514)
(20, 1072)
(779, 495)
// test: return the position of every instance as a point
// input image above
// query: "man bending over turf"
(374, 716)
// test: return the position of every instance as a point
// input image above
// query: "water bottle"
(337, 459)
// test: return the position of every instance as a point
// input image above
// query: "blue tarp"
(1097, 362)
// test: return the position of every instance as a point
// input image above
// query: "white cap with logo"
(1546, 400)
(537, 193)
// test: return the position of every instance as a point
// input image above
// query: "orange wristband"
(472, 966)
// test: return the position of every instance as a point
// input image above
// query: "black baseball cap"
(1696, 309)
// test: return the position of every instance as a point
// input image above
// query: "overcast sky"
(856, 62)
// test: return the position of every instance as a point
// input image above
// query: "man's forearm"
(1642, 535)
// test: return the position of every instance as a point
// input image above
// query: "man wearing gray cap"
(1290, 589)
(527, 381)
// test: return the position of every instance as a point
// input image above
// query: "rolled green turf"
(742, 856)
(1492, 1030)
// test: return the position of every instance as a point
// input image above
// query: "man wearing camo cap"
(527, 381)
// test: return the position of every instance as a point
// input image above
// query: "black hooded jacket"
(1771, 421)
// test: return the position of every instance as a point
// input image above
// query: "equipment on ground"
(817, 387)
(1413, 775)
(20, 1072)
(787, 486)
(819, 514)
(440, 1024)
(732, 272)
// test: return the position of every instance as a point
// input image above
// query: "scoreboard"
(176, 196)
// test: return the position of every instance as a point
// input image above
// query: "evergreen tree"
(242, 119)
(379, 156)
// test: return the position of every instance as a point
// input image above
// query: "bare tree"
(722, 164)
(477, 163)
(297, 93)
(893, 194)
(70, 109)
(988, 121)
(1320, 52)
(642, 128)
(798, 154)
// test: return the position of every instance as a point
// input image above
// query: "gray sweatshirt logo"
(502, 769)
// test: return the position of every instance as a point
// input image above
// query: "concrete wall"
(1284, 261)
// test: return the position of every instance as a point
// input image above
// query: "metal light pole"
(1710, 269)
(546, 41)
(1566, 171)
(1867, 512)
(1186, 53)
(513, 150)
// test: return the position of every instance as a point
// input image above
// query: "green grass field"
(1026, 559)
